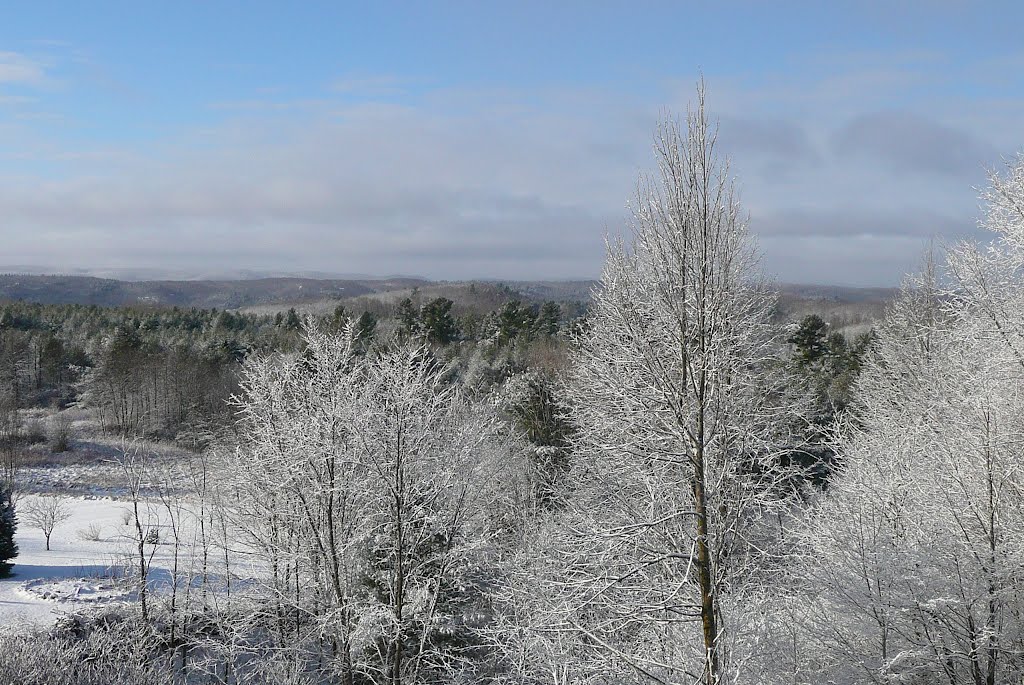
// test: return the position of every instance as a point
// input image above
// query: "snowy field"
(92, 559)
(76, 572)
(94, 553)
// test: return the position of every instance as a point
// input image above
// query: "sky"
(464, 140)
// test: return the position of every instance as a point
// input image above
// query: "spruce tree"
(8, 526)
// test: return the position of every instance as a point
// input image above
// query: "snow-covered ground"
(93, 556)
(81, 569)
(43, 583)
(91, 467)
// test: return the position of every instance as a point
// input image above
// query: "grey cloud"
(394, 192)
(909, 142)
(458, 185)
(778, 139)
(861, 261)
(852, 222)
(565, 244)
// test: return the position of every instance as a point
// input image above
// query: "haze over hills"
(220, 294)
(842, 306)
(263, 291)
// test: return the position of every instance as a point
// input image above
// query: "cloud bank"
(841, 186)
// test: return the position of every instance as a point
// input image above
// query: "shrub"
(91, 533)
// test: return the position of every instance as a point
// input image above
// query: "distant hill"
(228, 294)
(469, 297)
(275, 294)
(843, 307)
(837, 293)
(850, 310)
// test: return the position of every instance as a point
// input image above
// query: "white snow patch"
(79, 570)
(83, 590)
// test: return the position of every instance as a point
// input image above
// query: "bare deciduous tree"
(679, 404)
(913, 556)
(44, 512)
(363, 481)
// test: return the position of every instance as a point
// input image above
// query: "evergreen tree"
(514, 320)
(8, 527)
(547, 319)
(339, 319)
(810, 340)
(437, 322)
(408, 317)
(292, 322)
(365, 329)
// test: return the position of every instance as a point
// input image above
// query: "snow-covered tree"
(8, 527)
(45, 512)
(366, 481)
(913, 557)
(679, 401)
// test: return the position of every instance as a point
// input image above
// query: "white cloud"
(16, 68)
(841, 182)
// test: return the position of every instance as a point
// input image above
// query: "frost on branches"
(914, 559)
(366, 481)
(681, 409)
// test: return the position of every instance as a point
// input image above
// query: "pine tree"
(811, 341)
(8, 526)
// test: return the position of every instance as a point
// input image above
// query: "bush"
(60, 432)
(35, 431)
(91, 533)
(106, 647)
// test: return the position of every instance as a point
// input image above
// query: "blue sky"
(487, 140)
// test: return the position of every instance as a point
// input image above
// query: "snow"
(95, 549)
(79, 590)
(77, 572)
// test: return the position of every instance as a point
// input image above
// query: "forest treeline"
(672, 489)
(169, 372)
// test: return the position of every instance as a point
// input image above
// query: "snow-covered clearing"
(93, 559)
(94, 554)
(45, 584)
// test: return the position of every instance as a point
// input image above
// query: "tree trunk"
(708, 615)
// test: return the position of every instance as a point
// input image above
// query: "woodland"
(672, 483)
